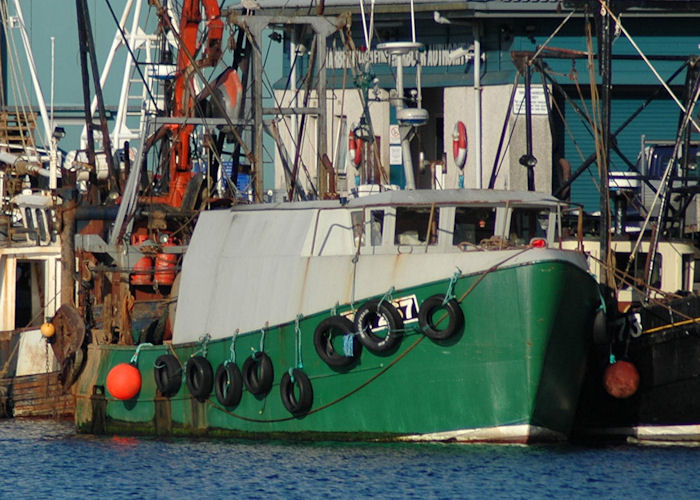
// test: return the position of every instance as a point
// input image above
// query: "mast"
(87, 52)
(605, 69)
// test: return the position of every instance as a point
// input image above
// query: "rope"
(204, 340)
(387, 297)
(135, 358)
(232, 355)
(449, 294)
(262, 342)
(170, 347)
(297, 330)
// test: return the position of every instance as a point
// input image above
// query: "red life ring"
(355, 149)
(459, 144)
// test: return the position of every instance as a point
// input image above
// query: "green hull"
(512, 373)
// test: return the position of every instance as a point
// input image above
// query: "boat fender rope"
(232, 355)
(349, 345)
(449, 294)
(387, 296)
(297, 330)
(135, 358)
(203, 340)
(262, 340)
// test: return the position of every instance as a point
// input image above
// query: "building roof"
(479, 8)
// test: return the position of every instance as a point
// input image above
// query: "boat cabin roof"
(472, 197)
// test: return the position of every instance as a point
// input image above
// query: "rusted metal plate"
(70, 332)
(38, 396)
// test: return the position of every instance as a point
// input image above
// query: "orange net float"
(48, 330)
(621, 379)
(124, 381)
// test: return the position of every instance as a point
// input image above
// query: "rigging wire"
(648, 63)
(18, 85)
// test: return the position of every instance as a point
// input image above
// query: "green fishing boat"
(424, 315)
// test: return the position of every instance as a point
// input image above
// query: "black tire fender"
(199, 377)
(367, 318)
(228, 384)
(326, 331)
(301, 404)
(168, 375)
(433, 304)
(258, 373)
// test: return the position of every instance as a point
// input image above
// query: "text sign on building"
(538, 105)
(437, 54)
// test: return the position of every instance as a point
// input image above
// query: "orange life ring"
(459, 144)
(355, 149)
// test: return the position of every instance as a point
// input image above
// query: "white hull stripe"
(671, 433)
(523, 433)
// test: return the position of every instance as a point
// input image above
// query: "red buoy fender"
(459, 144)
(621, 379)
(124, 381)
(142, 273)
(165, 267)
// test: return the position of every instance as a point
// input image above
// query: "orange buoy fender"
(621, 379)
(166, 267)
(459, 144)
(143, 272)
(124, 381)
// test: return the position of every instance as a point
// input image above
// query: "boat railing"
(29, 220)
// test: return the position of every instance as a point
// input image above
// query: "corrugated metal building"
(451, 31)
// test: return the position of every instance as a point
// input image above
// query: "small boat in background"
(36, 362)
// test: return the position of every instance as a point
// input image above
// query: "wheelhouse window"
(357, 220)
(376, 225)
(375, 221)
(473, 224)
(416, 225)
(527, 223)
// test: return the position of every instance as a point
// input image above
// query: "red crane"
(180, 171)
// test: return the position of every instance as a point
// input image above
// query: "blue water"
(45, 459)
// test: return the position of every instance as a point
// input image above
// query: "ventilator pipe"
(22, 166)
